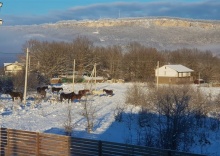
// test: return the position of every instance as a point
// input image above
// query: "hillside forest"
(132, 62)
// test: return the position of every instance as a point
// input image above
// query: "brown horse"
(15, 95)
(56, 89)
(66, 96)
(84, 91)
(77, 96)
(108, 92)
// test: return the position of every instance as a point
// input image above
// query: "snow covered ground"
(49, 116)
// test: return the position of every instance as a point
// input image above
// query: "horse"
(108, 92)
(66, 96)
(56, 89)
(39, 89)
(83, 92)
(15, 95)
(77, 96)
(42, 93)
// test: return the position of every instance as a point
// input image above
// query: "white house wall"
(13, 68)
(184, 74)
(166, 72)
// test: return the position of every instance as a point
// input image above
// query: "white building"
(13, 68)
(174, 74)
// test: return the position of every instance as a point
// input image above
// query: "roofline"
(190, 70)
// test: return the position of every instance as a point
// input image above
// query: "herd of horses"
(63, 96)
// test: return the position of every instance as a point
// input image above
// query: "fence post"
(100, 148)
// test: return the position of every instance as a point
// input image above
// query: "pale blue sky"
(25, 12)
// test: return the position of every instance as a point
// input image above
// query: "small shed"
(174, 74)
(55, 80)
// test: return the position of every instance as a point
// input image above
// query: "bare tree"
(139, 62)
(114, 61)
(136, 95)
(83, 52)
(47, 58)
(68, 124)
(174, 121)
(135, 62)
(89, 113)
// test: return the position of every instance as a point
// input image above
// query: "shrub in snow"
(118, 112)
(6, 84)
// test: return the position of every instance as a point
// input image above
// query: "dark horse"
(56, 89)
(39, 89)
(15, 95)
(108, 92)
(66, 96)
(42, 93)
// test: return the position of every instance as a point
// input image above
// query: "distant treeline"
(134, 62)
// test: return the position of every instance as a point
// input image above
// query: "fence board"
(85, 148)
(25, 143)
(20, 142)
(131, 149)
(83, 140)
(80, 152)
(78, 145)
(53, 145)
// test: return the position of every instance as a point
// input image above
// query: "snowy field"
(49, 116)
(45, 115)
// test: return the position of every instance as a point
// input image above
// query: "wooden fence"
(25, 143)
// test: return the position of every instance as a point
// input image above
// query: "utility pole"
(1, 4)
(26, 75)
(95, 74)
(74, 64)
(157, 74)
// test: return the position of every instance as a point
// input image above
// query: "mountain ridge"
(161, 33)
(167, 22)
